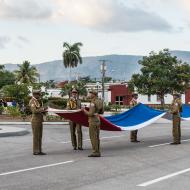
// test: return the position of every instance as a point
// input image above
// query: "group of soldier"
(95, 108)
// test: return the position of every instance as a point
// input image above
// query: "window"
(119, 100)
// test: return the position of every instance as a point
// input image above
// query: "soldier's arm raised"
(91, 111)
(34, 109)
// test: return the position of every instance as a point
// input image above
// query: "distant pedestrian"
(14, 104)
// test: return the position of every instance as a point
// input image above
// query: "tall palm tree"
(71, 56)
(26, 73)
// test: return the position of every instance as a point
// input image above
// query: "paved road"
(151, 164)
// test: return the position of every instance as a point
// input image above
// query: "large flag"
(185, 115)
(135, 118)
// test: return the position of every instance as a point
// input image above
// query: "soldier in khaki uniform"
(133, 134)
(37, 119)
(94, 123)
(176, 109)
(73, 104)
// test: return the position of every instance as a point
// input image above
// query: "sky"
(35, 30)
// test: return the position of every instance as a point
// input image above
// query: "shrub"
(58, 103)
(13, 111)
(1, 109)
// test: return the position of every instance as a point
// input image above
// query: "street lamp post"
(103, 71)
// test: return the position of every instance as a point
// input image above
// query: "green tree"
(79, 85)
(17, 92)
(107, 79)
(26, 73)
(6, 77)
(161, 74)
(71, 56)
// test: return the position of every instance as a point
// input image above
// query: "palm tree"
(26, 73)
(71, 56)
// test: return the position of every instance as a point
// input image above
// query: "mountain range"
(118, 67)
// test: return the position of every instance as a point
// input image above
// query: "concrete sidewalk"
(6, 131)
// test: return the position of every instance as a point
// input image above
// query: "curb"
(12, 131)
(29, 123)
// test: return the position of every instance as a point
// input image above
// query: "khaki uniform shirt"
(176, 107)
(93, 111)
(73, 104)
(36, 108)
(133, 103)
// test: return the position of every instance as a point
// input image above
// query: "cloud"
(25, 9)
(110, 16)
(23, 39)
(102, 15)
(4, 40)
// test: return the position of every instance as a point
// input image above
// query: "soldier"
(133, 134)
(73, 104)
(38, 110)
(176, 109)
(94, 123)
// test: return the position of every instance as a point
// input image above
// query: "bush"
(107, 107)
(1, 109)
(58, 103)
(54, 118)
(13, 111)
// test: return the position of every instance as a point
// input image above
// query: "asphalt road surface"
(152, 164)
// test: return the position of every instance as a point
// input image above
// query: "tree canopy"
(6, 77)
(161, 74)
(26, 73)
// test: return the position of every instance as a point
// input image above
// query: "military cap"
(93, 92)
(134, 94)
(176, 94)
(36, 91)
(74, 90)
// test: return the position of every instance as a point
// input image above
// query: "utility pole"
(103, 71)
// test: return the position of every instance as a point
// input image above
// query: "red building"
(187, 96)
(120, 94)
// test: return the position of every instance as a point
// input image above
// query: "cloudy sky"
(36, 29)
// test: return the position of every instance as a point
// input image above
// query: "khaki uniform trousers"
(76, 134)
(176, 128)
(94, 133)
(133, 135)
(37, 129)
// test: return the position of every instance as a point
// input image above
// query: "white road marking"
(163, 178)
(157, 145)
(111, 137)
(35, 168)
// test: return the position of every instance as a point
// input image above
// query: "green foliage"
(26, 74)
(116, 107)
(49, 84)
(1, 109)
(71, 54)
(6, 77)
(13, 111)
(18, 92)
(58, 103)
(107, 79)
(79, 85)
(54, 118)
(161, 74)
(107, 107)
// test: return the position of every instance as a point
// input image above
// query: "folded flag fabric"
(135, 118)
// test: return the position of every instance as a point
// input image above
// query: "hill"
(118, 67)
